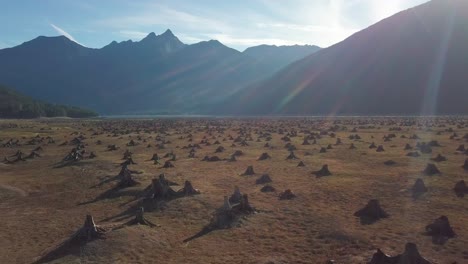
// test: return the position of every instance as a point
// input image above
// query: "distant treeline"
(16, 105)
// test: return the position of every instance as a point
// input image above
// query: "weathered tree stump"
(440, 230)
(372, 146)
(236, 196)
(411, 255)
(413, 154)
(155, 157)
(140, 219)
(352, 146)
(287, 195)
(338, 142)
(301, 164)
(465, 165)
(460, 188)
(265, 178)
(461, 148)
(418, 188)
(168, 164)
(188, 189)
(408, 147)
(244, 206)
(380, 148)
(92, 155)
(264, 156)
(126, 178)
(219, 149)
(431, 169)
(112, 147)
(371, 212)
(291, 156)
(322, 172)
(127, 155)
(249, 171)
(89, 231)
(439, 158)
(161, 190)
(267, 188)
(323, 150)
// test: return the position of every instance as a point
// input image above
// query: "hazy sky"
(238, 24)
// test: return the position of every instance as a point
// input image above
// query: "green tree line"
(16, 105)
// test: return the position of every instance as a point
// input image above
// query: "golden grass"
(40, 204)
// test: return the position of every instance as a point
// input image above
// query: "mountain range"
(412, 63)
(158, 74)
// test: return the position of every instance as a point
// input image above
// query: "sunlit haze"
(238, 24)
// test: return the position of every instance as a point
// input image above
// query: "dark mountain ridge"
(412, 63)
(157, 74)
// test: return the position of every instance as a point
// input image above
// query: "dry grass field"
(44, 200)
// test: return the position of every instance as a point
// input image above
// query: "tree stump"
(236, 196)
(460, 188)
(408, 147)
(465, 165)
(126, 179)
(249, 171)
(461, 148)
(188, 189)
(411, 255)
(265, 178)
(301, 164)
(140, 219)
(371, 212)
(168, 164)
(352, 146)
(89, 231)
(418, 188)
(440, 230)
(439, 158)
(413, 154)
(380, 148)
(267, 188)
(323, 150)
(287, 195)
(291, 156)
(431, 169)
(264, 156)
(155, 157)
(323, 171)
(389, 162)
(161, 189)
(372, 146)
